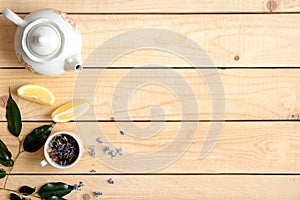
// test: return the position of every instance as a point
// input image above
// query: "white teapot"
(47, 42)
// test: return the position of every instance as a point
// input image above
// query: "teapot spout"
(74, 62)
(13, 17)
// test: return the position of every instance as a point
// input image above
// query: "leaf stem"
(6, 178)
(17, 156)
(9, 190)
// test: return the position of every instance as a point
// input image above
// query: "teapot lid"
(42, 41)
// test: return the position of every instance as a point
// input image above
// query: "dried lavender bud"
(97, 194)
(92, 147)
(99, 140)
(111, 181)
(122, 132)
(60, 148)
(112, 153)
(75, 187)
(119, 151)
(106, 149)
(72, 152)
(93, 153)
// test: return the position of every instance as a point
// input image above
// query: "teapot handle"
(13, 17)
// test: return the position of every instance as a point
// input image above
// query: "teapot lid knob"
(42, 42)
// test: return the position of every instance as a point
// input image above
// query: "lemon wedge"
(36, 94)
(71, 110)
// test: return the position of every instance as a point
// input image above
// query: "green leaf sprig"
(32, 143)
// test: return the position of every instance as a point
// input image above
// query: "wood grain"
(247, 147)
(249, 94)
(229, 40)
(175, 187)
(250, 160)
(155, 6)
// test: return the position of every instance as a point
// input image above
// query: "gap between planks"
(156, 6)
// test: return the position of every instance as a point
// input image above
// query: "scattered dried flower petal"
(93, 153)
(119, 151)
(92, 147)
(122, 132)
(97, 194)
(106, 149)
(111, 181)
(99, 140)
(75, 187)
(112, 153)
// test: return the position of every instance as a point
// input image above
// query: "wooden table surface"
(255, 46)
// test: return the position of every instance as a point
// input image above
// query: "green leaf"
(4, 152)
(13, 116)
(55, 198)
(5, 155)
(7, 163)
(52, 190)
(26, 190)
(13, 196)
(2, 173)
(37, 138)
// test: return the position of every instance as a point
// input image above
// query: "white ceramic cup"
(46, 154)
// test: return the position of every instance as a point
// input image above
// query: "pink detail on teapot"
(69, 20)
(27, 66)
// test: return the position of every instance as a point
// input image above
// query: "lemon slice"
(36, 94)
(70, 111)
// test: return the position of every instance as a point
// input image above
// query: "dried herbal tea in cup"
(63, 149)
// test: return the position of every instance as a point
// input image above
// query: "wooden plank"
(155, 6)
(250, 94)
(229, 40)
(182, 187)
(247, 147)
